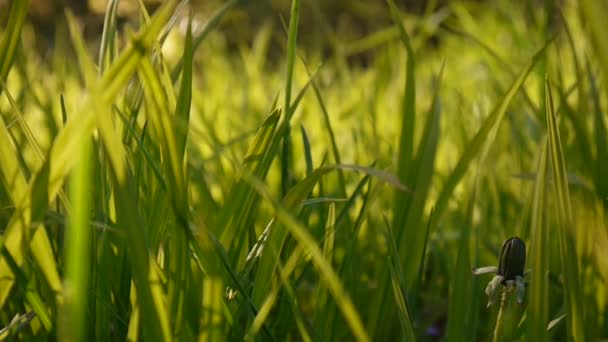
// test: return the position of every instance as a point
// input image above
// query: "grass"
(169, 187)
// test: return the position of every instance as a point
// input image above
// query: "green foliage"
(155, 190)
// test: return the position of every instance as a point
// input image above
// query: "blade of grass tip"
(538, 298)
(329, 277)
(238, 204)
(422, 176)
(161, 121)
(569, 258)
(85, 63)
(12, 35)
(108, 36)
(286, 155)
(475, 145)
(408, 107)
(330, 130)
(291, 54)
(184, 99)
(398, 284)
(307, 153)
(78, 239)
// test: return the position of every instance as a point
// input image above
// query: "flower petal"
(485, 270)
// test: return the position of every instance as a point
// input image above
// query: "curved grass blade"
(326, 272)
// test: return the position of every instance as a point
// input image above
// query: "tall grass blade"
(75, 326)
(539, 256)
(568, 255)
(12, 35)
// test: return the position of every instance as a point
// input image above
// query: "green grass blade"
(291, 55)
(108, 36)
(12, 35)
(326, 272)
(75, 326)
(539, 256)
(460, 311)
(328, 253)
(184, 99)
(421, 177)
(406, 135)
(569, 258)
(398, 284)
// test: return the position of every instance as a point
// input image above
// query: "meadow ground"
(168, 185)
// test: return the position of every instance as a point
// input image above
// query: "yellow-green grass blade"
(32, 297)
(14, 181)
(328, 275)
(12, 36)
(47, 181)
(398, 284)
(184, 99)
(539, 256)
(408, 121)
(593, 13)
(474, 147)
(108, 37)
(330, 131)
(75, 325)
(240, 200)
(420, 177)
(291, 55)
(600, 136)
(292, 200)
(462, 289)
(147, 277)
(286, 156)
(321, 297)
(160, 118)
(85, 63)
(269, 302)
(410, 237)
(569, 259)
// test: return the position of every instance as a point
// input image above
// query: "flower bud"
(512, 259)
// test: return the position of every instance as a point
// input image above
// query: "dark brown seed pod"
(512, 259)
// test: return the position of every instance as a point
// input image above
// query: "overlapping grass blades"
(190, 227)
(569, 258)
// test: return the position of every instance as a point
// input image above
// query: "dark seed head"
(512, 259)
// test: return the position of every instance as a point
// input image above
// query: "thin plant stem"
(498, 329)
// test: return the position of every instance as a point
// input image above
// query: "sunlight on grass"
(166, 182)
